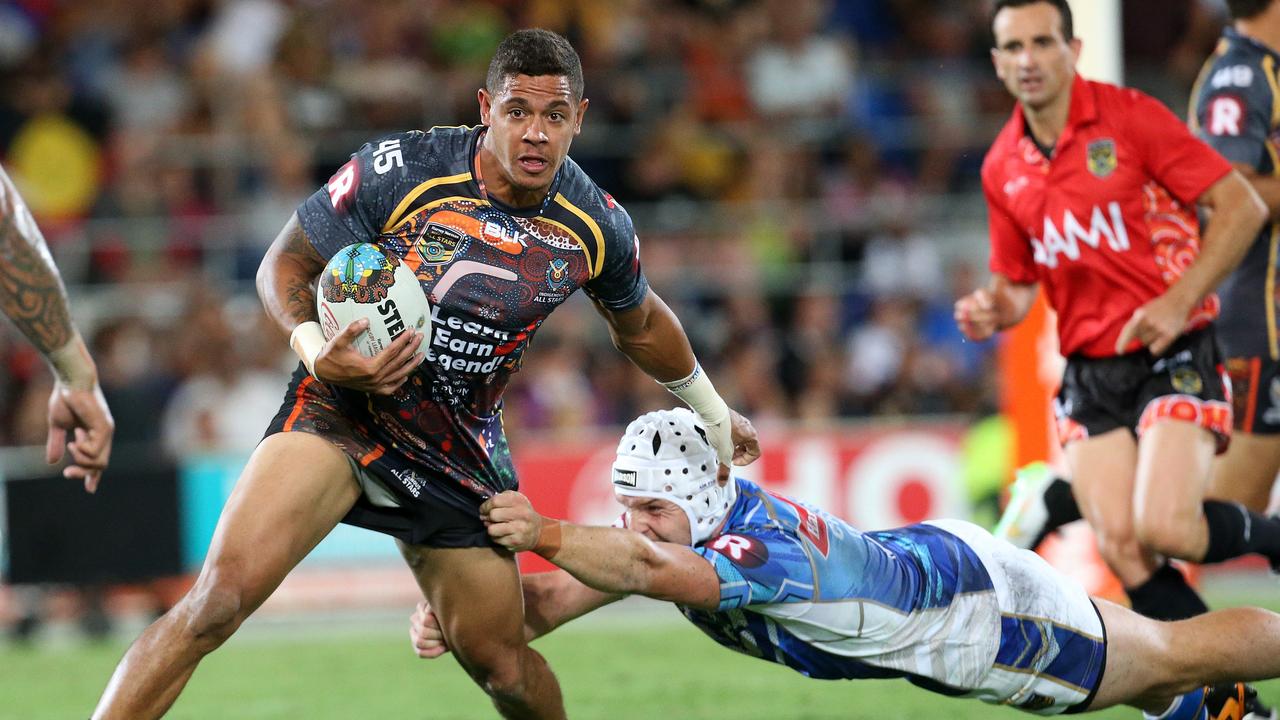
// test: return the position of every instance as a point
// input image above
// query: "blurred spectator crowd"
(802, 175)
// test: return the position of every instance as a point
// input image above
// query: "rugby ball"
(364, 281)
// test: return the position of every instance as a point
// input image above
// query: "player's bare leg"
(1150, 662)
(1174, 465)
(294, 490)
(475, 593)
(1246, 472)
(1102, 471)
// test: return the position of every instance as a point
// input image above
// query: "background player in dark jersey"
(500, 227)
(1142, 408)
(941, 603)
(1235, 107)
(32, 296)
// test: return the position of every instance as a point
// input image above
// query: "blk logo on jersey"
(744, 551)
(508, 240)
(1101, 157)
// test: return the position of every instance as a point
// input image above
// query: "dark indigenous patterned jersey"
(493, 273)
(1235, 108)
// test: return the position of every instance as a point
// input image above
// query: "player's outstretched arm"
(651, 335)
(998, 306)
(33, 297)
(287, 286)
(551, 599)
(610, 560)
(1238, 215)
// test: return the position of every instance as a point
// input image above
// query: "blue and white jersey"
(944, 605)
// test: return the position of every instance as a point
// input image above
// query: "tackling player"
(500, 227)
(32, 296)
(1090, 190)
(943, 604)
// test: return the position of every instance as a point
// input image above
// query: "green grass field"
(620, 668)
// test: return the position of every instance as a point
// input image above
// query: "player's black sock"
(1166, 596)
(1234, 530)
(1061, 503)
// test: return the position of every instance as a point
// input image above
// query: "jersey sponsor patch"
(811, 526)
(1224, 115)
(1234, 76)
(742, 550)
(342, 185)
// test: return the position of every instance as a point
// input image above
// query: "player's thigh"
(1247, 471)
(1174, 463)
(1102, 479)
(1139, 658)
(475, 592)
(294, 490)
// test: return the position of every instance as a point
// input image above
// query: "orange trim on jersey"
(1219, 50)
(435, 204)
(413, 194)
(1255, 372)
(297, 405)
(372, 455)
(1269, 286)
(1269, 69)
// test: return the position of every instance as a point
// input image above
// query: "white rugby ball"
(364, 281)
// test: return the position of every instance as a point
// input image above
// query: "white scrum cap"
(665, 454)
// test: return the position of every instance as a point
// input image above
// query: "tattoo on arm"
(286, 279)
(300, 292)
(31, 291)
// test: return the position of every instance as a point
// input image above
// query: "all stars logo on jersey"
(557, 273)
(439, 243)
(558, 286)
(1101, 157)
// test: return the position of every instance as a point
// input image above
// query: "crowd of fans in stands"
(800, 173)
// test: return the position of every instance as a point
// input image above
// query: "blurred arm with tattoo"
(33, 297)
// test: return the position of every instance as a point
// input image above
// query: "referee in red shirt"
(1091, 191)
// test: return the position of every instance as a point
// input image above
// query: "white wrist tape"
(700, 395)
(308, 340)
